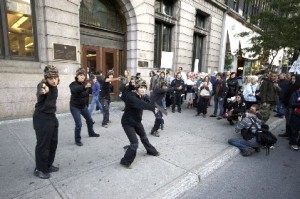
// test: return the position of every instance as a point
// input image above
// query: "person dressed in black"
(79, 97)
(236, 106)
(177, 94)
(132, 125)
(45, 123)
(156, 98)
(106, 88)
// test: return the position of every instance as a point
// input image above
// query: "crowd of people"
(240, 102)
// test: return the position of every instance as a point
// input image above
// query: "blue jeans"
(219, 102)
(163, 101)
(95, 101)
(76, 112)
(242, 144)
(279, 108)
(105, 107)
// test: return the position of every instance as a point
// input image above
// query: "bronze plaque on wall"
(142, 63)
(65, 52)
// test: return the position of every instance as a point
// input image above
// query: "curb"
(193, 178)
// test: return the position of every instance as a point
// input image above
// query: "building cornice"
(217, 3)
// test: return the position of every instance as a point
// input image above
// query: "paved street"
(275, 176)
(191, 149)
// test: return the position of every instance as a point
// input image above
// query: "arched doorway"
(102, 36)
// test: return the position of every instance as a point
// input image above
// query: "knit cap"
(50, 71)
(80, 71)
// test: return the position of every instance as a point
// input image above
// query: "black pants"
(176, 101)
(158, 121)
(46, 130)
(202, 105)
(131, 132)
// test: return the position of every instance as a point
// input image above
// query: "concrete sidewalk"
(191, 149)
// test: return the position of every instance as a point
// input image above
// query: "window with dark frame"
(17, 30)
(164, 7)
(101, 14)
(198, 50)
(162, 41)
(200, 20)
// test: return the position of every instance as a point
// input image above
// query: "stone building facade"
(103, 35)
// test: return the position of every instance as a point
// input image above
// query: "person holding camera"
(247, 143)
(79, 97)
(235, 108)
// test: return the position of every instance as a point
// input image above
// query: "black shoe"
(156, 154)
(93, 122)
(53, 169)
(79, 143)
(162, 126)
(283, 135)
(257, 149)
(213, 115)
(173, 111)
(231, 122)
(179, 111)
(94, 135)
(41, 174)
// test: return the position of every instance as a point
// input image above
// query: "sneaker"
(257, 149)
(94, 135)
(156, 134)
(248, 152)
(213, 115)
(53, 169)
(104, 125)
(294, 147)
(41, 174)
(78, 143)
(283, 135)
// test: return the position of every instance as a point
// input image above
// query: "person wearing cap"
(132, 125)
(79, 98)
(156, 98)
(106, 88)
(45, 123)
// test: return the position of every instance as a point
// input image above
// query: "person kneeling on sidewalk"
(247, 125)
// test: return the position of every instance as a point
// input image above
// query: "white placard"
(296, 66)
(196, 65)
(166, 59)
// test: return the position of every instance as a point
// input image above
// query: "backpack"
(265, 138)
(250, 133)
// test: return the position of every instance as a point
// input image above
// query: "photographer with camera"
(247, 124)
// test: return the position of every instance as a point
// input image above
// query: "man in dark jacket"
(220, 91)
(106, 88)
(295, 120)
(269, 91)
(132, 125)
(156, 98)
(177, 93)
